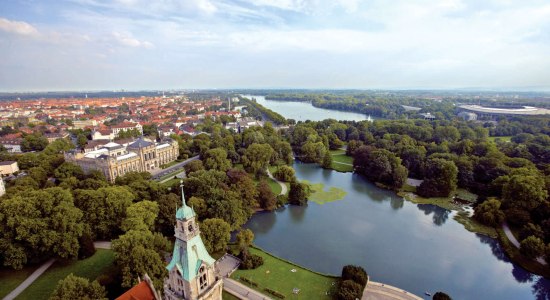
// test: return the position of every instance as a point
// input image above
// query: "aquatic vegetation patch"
(321, 196)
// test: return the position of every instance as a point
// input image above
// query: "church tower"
(191, 273)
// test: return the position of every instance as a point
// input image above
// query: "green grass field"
(340, 161)
(228, 296)
(502, 138)
(276, 274)
(89, 268)
(10, 278)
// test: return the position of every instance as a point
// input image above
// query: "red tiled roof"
(141, 291)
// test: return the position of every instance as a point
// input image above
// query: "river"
(302, 111)
(415, 247)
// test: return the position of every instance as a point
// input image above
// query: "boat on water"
(428, 293)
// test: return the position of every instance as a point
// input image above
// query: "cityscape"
(220, 149)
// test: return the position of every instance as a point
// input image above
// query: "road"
(380, 291)
(171, 169)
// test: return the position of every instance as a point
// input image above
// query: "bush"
(282, 200)
(250, 282)
(274, 293)
(250, 261)
(87, 248)
(349, 290)
(532, 247)
(356, 274)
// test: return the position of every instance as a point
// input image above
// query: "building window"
(202, 278)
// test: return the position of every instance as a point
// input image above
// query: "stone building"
(191, 272)
(115, 160)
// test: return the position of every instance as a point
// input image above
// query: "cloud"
(17, 27)
(129, 41)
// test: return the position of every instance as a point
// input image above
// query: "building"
(52, 137)
(2, 187)
(103, 134)
(8, 167)
(115, 160)
(81, 124)
(144, 290)
(191, 271)
(12, 145)
(467, 116)
(125, 126)
(492, 112)
(428, 116)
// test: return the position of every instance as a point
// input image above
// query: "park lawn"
(474, 226)
(10, 278)
(339, 167)
(177, 161)
(276, 274)
(502, 138)
(275, 186)
(90, 268)
(228, 296)
(340, 161)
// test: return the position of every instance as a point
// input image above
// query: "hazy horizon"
(98, 45)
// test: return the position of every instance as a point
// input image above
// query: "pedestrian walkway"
(241, 291)
(380, 291)
(18, 290)
(516, 243)
(282, 184)
(102, 244)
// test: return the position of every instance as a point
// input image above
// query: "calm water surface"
(302, 111)
(416, 247)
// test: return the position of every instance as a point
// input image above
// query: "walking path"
(25, 284)
(241, 291)
(342, 163)
(380, 291)
(282, 184)
(18, 290)
(516, 243)
(102, 244)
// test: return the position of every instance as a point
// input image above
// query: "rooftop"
(525, 110)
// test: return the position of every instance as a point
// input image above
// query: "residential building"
(8, 167)
(125, 126)
(12, 145)
(81, 124)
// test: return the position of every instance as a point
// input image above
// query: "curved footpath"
(380, 291)
(516, 243)
(282, 184)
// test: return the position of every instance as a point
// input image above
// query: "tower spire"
(182, 194)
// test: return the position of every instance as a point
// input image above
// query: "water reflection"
(541, 289)
(263, 222)
(495, 247)
(397, 202)
(297, 213)
(440, 215)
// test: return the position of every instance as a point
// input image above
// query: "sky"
(334, 44)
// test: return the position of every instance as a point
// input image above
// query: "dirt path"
(282, 184)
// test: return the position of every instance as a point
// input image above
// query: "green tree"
(524, 191)
(245, 237)
(74, 287)
(193, 166)
(489, 213)
(167, 204)
(532, 247)
(216, 159)
(313, 152)
(441, 296)
(440, 178)
(327, 161)
(355, 273)
(215, 234)
(34, 142)
(81, 140)
(199, 205)
(266, 198)
(105, 209)
(243, 184)
(140, 252)
(140, 216)
(67, 170)
(298, 194)
(256, 158)
(39, 224)
(285, 173)
(349, 290)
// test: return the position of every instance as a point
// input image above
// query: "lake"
(415, 247)
(302, 111)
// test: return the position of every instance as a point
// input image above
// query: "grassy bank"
(474, 226)
(276, 274)
(341, 162)
(89, 268)
(10, 278)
